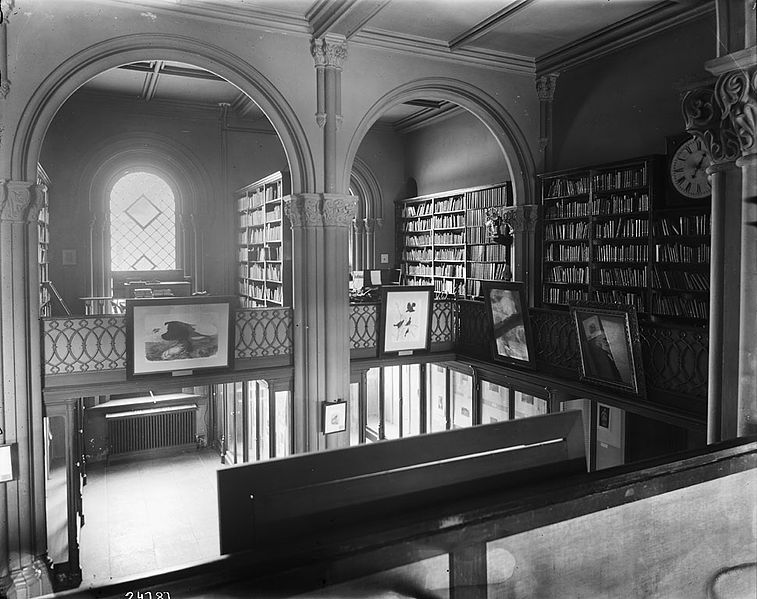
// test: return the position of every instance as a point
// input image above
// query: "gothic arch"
(502, 126)
(81, 67)
(368, 218)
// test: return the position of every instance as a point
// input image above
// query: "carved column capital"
(329, 51)
(521, 218)
(704, 119)
(320, 210)
(736, 92)
(545, 87)
(358, 226)
(370, 224)
(19, 199)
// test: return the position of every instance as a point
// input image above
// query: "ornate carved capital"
(545, 87)
(320, 119)
(358, 226)
(521, 218)
(369, 225)
(704, 119)
(736, 92)
(329, 51)
(320, 210)
(19, 199)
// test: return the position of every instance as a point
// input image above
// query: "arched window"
(142, 223)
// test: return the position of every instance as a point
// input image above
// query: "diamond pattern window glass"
(142, 223)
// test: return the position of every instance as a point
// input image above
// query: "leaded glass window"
(142, 223)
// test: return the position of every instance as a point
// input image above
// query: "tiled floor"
(148, 515)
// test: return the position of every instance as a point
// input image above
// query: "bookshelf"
(43, 245)
(596, 233)
(680, 274)
(264, 247)
(443, 241)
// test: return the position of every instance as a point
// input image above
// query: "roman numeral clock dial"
(688, 170)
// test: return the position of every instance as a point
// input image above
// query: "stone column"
(704, 120)
(358, 245)
(545, 91)
(370, 246)
(6, 7)
(320, 229)
(23, 565)
(329, 53)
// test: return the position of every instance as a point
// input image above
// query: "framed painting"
(507, 312)
(405, 326)
(179, 335)
(334, 417)
(609, 344)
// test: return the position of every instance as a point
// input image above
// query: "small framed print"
(334, 417)
(405, 319)
(68, 257)
(603, 416)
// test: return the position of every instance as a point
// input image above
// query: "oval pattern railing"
(443, 322)
(98, 343)
(364, 326)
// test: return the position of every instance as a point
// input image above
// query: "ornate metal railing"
(443, 322)
(98, 343)
(364, 325)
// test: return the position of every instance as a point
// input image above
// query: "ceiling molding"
(482, 28)
(342, 17)
(427, 117)
(173, 70)
(624, 33)
(430, 48)
(223, 12)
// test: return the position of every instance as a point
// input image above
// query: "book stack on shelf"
(43, 246)
(443, 240)
(264, 251)
(604, 239)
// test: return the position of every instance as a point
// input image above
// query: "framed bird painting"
(179, 335)
(405, 327)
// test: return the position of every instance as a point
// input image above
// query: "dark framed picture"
(334, 417)
(405, 326)
(179, 335)
(603, 416)
(507, 311)
(608, 340)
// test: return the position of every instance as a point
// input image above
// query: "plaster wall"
(457, 152)
(624, 105)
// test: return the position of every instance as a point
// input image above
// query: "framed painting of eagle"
(179, 335)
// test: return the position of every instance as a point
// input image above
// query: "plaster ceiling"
(514, 35)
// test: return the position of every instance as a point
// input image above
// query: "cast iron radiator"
(154, 428)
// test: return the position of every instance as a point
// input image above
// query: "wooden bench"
(308, 497)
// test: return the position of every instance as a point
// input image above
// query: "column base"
(32, 581)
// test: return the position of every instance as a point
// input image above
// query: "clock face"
(688, 170)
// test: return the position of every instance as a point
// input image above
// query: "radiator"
(144, 430)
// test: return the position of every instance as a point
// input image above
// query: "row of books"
(566, 253)
(568, 187)
(621, 253)
(259, 197)
(493, 197)
(689, 307)
(489, 253)
(626, 277)
(449, 286)
(477, 235)
(680, 279)
(457, 254)
(447, 221)
(619, 204)
(562, 231)
(419, 209)
(567, 274)
(417, 255)
(494, 270)
(567, 210)
(692, 224)
(43, 232)
(449, 238)
(680, 252)
(476, 218)
(260, 254)
(419, 269)
(621, 227)
(422, 224)
(450, 270)
(418, 240)
(262, 291)
(563, 295)
(448, 204)
(252, 219)
(616, 296)
(621, 178)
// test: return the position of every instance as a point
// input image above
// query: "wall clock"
(687, 167)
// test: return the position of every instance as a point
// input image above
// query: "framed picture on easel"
(405, 319)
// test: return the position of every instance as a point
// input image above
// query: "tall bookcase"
(607, 238)
(264, 246)
(43, 248)
(443, 242)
